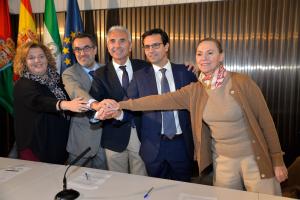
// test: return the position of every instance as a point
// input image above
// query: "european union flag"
(73, 26)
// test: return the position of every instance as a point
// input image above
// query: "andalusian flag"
(27, 30)
(73, 25)
(51, 32)
(7, 51)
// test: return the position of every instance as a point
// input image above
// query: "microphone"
(69, 194)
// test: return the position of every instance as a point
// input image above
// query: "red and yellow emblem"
(7, 51)
(27, 29)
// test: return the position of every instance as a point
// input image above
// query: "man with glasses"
(120, 140)
(77, 80)
(166, 136)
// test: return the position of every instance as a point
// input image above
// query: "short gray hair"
(120, 29)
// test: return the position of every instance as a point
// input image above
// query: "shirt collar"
(166, 66)
(93, 68)
(116, 65)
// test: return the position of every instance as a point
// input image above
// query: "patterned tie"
(125, 77)
(167, 116)
(92, 73)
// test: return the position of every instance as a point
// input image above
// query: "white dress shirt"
(169, 75)
(120, 71)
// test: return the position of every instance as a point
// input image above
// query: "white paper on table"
(89, 180)
(183, 196)
(11, 171)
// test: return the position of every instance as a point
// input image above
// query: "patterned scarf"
(51, 79)
(214, 80)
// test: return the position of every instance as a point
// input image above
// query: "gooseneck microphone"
(69, 194)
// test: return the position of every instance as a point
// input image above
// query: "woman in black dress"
(41, 106)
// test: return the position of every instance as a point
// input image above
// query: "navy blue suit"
(156, 152)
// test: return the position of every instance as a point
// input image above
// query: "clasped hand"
(106, 109)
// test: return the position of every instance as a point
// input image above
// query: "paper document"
(183, 196)
(89, 180)
(10, 172)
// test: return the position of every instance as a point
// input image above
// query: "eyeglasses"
(153, 46)
(85, 49)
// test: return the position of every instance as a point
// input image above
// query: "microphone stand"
(70, 194)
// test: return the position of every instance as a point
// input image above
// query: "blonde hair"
(22, 52)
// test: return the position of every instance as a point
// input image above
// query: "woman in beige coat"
(232, 125)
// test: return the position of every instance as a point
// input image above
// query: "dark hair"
(164, 36)
(217, 43)
(85, 35)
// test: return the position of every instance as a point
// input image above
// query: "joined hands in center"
(106, 109)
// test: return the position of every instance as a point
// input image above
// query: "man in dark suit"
(167, 146)
(120, 140)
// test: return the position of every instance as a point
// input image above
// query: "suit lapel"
(151, 88)
(150, 80)
(178, 76)
(116, 87)
(83, 77)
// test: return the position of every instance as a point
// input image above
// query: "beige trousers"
(243, 172)
(128, 161)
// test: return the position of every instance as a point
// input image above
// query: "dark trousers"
(172, 161)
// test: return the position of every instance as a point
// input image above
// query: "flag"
(73, 26)
(7, 51)
(27, 30)
(51, 32)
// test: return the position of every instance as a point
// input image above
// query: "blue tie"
(125, 77)
(92, 73)
(168, 118)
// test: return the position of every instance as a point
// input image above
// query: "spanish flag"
(7, 51)
(27, 30)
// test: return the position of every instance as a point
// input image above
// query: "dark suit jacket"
(144, 84)
(106, 85)
(38, 125)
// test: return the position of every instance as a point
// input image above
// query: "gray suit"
(82, 134)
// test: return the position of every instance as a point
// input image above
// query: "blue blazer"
(144, 84)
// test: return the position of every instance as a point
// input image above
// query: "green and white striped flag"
(51, 32)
